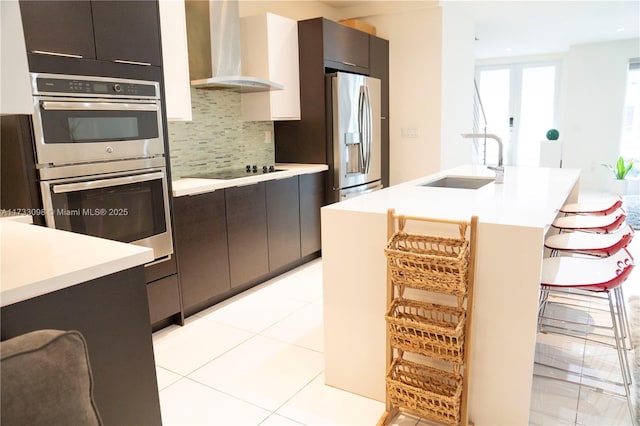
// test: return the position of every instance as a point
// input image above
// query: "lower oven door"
(131, 208)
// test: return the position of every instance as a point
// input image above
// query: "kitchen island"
(513, 220)
(53, 279)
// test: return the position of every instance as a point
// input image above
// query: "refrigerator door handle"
(361, 128)
(368, 128)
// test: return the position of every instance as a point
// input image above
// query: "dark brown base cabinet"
(247, 233)
(201, 248)
(283, 222)
(311, 200)
(112, 314)
(230, 240)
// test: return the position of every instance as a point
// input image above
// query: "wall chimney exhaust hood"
(213, 37)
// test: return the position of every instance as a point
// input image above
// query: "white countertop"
(35, 260)
(192, 186)
(529, 196)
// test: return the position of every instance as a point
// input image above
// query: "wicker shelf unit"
(433, 383)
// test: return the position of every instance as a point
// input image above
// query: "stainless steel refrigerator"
(354, 144)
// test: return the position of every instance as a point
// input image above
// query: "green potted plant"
(621, 169)
(620, 172)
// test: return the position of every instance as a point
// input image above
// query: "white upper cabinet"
(15, 87)
(270, 51)
(175, 60)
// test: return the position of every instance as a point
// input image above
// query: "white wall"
(415, 89)
(297, 10)
(457, 84)
(591, 124)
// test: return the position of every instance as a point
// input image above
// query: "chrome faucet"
(500, 168)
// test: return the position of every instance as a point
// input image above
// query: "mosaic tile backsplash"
(217, 138)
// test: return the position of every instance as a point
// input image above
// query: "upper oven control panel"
(73, 85)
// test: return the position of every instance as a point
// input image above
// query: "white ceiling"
(539, 26)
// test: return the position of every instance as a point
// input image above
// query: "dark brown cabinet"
(311, 188)
(112, 314)
(163, 292)
(127, 31)
(103, 30)
(63, 27)
(164, 298)
(201, 248)
(247, 233)
(229, 240)
(283, 222)
(379, 68)
(345, 48)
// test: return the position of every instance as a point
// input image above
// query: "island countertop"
(529, 196)
(36, 260)
(513, 219)
(193, 186)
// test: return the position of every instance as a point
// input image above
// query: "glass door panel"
(537, 97)
(495, 92)
(520, 102)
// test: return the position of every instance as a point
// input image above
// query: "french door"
(520, 103)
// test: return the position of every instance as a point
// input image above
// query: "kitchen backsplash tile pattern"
(217, 138)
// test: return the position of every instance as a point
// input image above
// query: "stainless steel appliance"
(355, 145)
(130, 206)
(79, 120)
(100, 157)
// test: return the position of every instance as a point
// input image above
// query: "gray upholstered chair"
(46, 380)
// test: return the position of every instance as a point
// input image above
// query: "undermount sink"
(459, 182)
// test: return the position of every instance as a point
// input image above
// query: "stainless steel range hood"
(213, 37)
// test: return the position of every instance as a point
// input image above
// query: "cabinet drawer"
(164, 298)
(162, 269)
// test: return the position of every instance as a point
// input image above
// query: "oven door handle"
(97, 106)
(104, 183)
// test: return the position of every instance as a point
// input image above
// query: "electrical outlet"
(267, 136)
(409, 132)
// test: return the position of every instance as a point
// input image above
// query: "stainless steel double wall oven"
(100, 156)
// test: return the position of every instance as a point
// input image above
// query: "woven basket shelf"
(425, 391)
(435, 385)
(428, 263)
(428, 329)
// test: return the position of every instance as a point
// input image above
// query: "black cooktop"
(235, 173)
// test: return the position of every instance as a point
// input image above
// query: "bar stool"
(593, 277)
(588, 243)
(599, 245)
(590, 223)
(601, 207)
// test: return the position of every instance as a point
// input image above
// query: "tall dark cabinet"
(379, 68)
(107, 39)
(325, 46)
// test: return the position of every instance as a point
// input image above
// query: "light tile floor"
(257, 359)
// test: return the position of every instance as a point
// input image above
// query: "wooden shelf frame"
(468, 230)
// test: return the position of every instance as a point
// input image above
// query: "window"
(630, 142)
(521, 104)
